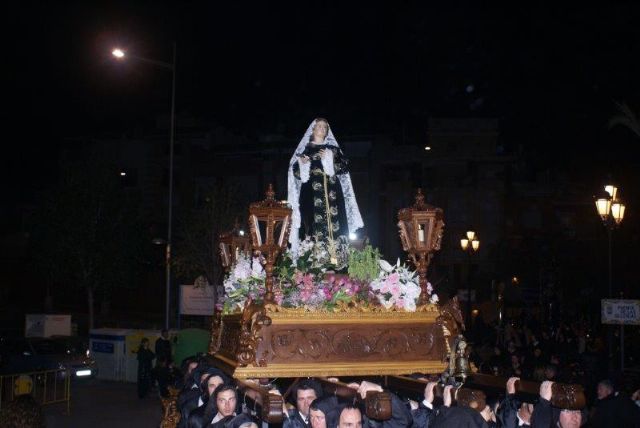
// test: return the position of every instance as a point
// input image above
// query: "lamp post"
(611, 212)
(121, 55)
(470, 244)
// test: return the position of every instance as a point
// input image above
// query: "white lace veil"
(354, 219)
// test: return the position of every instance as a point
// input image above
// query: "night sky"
(551, 74)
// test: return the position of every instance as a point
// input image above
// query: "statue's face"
(320, 130)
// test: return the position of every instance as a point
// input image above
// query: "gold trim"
(301, 316)
(345, 369)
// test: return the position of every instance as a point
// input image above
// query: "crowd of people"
(209, 398)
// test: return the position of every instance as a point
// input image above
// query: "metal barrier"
(47, 387)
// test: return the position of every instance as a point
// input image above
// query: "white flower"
(388, 304)
(385, 266)
(410, 305)
(411, 290)
(429, 288)
(257, 270)
(434, 298)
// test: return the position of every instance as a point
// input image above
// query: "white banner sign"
(197, 301)
(620, 311)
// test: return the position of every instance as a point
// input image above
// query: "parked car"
(29, 354)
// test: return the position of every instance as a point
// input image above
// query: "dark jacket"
(458, 417)
(163, 349)
(188, 406)
(294, 420)
(507, 414)
(196, 418)
(544, 416)
(616, 411)
(423, 416)
(400, 416)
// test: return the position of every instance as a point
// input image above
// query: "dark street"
(105, 404)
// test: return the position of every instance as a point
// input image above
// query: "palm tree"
(626, 117)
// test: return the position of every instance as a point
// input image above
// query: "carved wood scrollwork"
(451, 322)
(216, 329)
(253, 319)
(170, 414)
(351, 343)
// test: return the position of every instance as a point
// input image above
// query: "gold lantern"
(421, 228)
(232, 244)
(269, 223)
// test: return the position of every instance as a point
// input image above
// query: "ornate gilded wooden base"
(275, 342)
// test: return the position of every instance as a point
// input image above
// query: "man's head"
(550, 371)
(213, 381)
(226, 399)
(350, 417)
(305, 392)
(570, 418)
(164, 333)
(605, 389)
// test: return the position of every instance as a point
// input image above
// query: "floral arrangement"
(308, 280)
(398, 287)
(245, 281)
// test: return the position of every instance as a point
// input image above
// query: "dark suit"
(295, 420)
(459, 417)
(507, 413)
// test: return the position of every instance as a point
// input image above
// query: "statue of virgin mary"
(320, 192)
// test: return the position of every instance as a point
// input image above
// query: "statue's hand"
(304, 159)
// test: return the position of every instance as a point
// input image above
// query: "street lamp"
(470, 244)
(611, 211)
(121, 54)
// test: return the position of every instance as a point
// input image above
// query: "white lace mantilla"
(354, 219)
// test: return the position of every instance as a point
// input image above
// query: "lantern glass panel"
(280, 234)
(423, 233)
(224, 254)
(255, 226)
(277, 231)
(410, 233)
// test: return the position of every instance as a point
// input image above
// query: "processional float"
(266, 341)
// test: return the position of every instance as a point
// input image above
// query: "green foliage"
(364, 264)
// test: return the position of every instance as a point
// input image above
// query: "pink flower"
(395, 290)
(393, 279)
(400, 303)
(308, 280)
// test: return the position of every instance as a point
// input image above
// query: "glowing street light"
(470, 245)
(118, 53)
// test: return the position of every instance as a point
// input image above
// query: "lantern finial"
(270, 194)
(419, 199)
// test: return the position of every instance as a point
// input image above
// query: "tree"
(627, 118)
(87, 233)
(197, 250)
